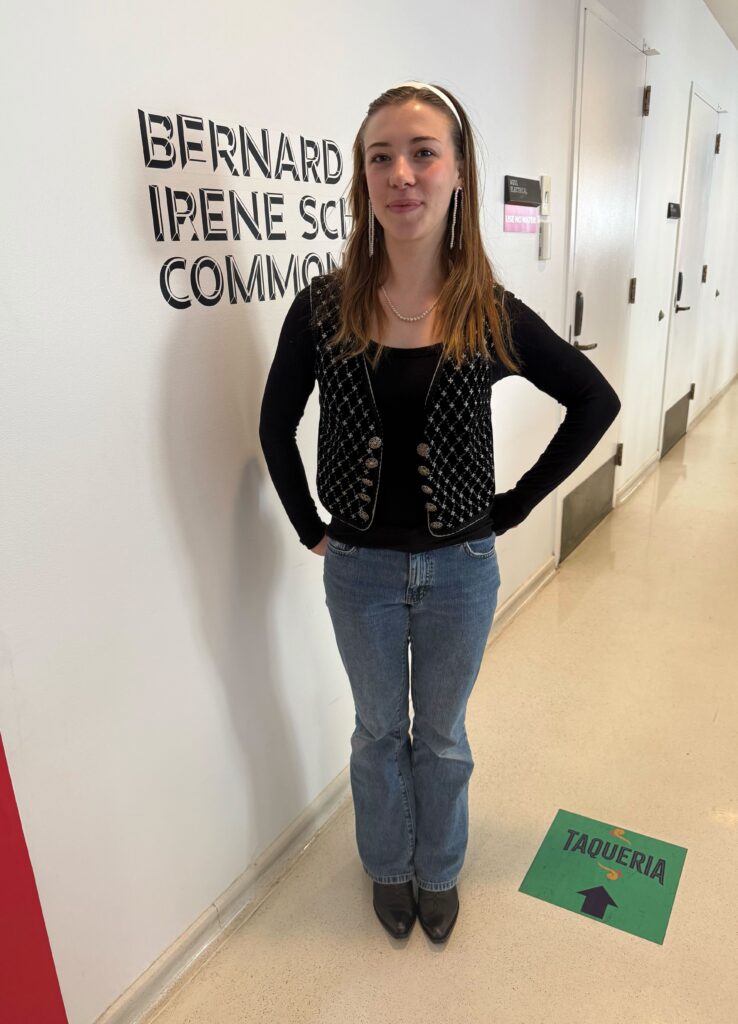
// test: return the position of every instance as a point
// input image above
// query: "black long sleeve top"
(400, 384)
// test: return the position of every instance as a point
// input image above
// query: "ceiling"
(726, 14)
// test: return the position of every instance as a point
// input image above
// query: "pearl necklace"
(407, 317)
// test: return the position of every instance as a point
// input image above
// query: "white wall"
(171, 696)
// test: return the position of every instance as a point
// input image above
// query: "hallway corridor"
(612, 694)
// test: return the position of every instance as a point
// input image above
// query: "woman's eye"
(380, 155)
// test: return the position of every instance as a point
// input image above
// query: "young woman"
(405, 340)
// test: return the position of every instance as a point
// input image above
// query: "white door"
(684, 366)
(605, 187)
(714, 348)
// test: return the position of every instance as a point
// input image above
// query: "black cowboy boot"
(438, 912)
(395, 907)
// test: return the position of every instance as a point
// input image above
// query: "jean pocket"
(340, 547)
(482, 547)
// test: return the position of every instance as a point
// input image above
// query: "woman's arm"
(289, 384)
(567, 375)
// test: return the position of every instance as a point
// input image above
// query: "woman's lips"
(404, 207)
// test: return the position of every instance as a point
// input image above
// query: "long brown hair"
(471, 294)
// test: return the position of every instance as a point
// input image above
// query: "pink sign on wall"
(520, 218)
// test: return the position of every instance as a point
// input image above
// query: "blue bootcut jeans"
(411, 798)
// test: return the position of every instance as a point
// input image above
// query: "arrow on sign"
(596, 902)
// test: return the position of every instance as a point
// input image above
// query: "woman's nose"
(401, 171)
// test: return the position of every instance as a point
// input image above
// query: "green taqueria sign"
(607, 873)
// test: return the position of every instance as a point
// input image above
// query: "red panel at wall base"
(29, 987)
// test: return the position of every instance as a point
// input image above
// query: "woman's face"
(409, 156)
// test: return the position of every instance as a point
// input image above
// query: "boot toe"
(438, 912)
(395, 907)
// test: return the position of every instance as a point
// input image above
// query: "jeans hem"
(437, 886)
(391, 879)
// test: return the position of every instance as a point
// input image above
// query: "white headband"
(446, 100)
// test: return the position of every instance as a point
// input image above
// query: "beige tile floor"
(612, 694)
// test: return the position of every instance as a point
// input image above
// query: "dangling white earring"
(457, 192)
(371, 229)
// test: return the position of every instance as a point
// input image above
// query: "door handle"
(578, 317)
(679, 309)
(578, 314)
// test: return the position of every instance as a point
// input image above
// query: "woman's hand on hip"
(319, 549)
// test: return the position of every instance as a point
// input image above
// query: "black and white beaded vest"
(456, 466)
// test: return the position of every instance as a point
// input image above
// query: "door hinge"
(717, 142)
(618, 457)
(691, 392)
(646, 100)
(704, 273)
(632, 293)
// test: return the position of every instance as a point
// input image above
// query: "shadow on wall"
(211, 387)
(212, 462)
